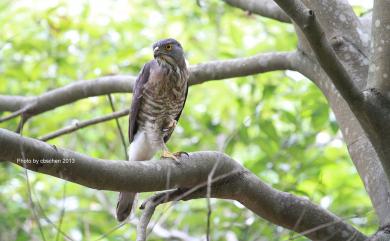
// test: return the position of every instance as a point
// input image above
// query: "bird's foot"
(175, 156)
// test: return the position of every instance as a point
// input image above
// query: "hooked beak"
(156, 52)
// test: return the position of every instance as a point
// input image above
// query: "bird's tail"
(124, 205)
(139, 150)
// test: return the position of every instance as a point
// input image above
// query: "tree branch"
(79, 125)
(379, 71)
(307, 22)
(360, 148)
(376, 105)
(278, 207)
(200, 73)
(68, 94)
(144, 220)
(345, 32)
(265, 8)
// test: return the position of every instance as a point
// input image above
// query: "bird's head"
(169, 51)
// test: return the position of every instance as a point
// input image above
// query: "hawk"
(159, 95)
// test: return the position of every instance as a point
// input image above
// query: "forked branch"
(236, 183)
(327, 58)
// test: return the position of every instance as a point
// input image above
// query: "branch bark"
(265, 8)
(200, 73)
(307, 22)
(346, 35)
(278, 207)
(379, 72)
(376, 106)
(366, 129)
(361, 150)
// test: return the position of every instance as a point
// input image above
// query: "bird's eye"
(168, 47)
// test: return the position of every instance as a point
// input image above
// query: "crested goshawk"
(159, 96)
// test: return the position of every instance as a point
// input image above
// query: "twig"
(119, 127)
(42, 212)
(80, 125)
(173, 196)
(62, 212)
(325, 225)
(111, 231)
(31, 202)
(209, 182)
(145, 219)
(14, 114)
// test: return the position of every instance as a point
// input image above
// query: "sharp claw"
(179, 153)
(167, 154)
(175, 156)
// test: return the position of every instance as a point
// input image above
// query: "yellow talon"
(174, 156)
(167, 154)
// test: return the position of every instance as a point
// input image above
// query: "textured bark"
(266, 8)
(380, 48)
(236, 182)
(331, 33)
(306, 20)
(359, 146)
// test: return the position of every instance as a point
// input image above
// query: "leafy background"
(277, 124)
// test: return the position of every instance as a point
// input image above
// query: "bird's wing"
(166, 138)
(140, 82)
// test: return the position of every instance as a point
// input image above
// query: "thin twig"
(119, 127)
(111, 231)
(62, 212)
(147, 214)
(14, 114)
(325, 225)
(47, 219)
(31, 202)
(174, 196)
(79, 125)
(209, 181)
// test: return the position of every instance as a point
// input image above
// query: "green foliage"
(278, 124)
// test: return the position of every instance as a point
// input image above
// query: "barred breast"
(162, 100)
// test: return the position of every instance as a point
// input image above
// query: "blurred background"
(277, 124)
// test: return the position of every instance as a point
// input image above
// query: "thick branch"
(200, 73)
(361, 150)
(278, 207)
(345, 32)
(376, 104)
(327, 58)
(261, 63)
(379, 72)
(266, 8)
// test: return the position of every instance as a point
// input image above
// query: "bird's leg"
(166, 153)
